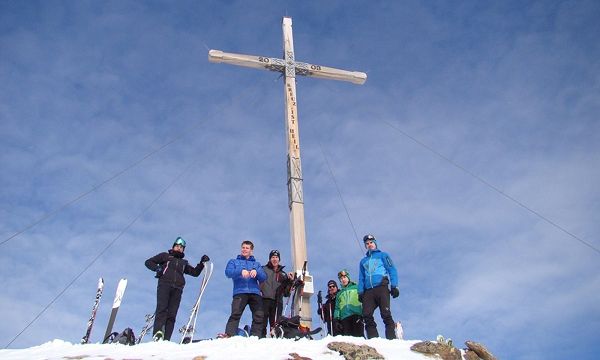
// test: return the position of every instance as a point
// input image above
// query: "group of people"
(348, 311)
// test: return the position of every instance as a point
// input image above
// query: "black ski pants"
(272, 312)
(333, 327)
(167, 304)
(327, 309)
(353, 326)
(373, 298)
(238, 304)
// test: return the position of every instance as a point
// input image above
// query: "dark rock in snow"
(295, 356)
(480, 350)
(470, 355)
(354, 352)
(445, 351)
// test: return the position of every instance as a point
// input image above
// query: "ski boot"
(159, 336)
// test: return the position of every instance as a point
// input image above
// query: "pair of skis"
(113, 315)
(189, 328)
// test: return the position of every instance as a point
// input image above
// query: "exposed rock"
(425, 347)
(295, 356)
(354, 352)
(445, 351)
(480, 350)
(470, 355)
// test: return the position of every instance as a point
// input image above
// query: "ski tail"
(90, 324)
(116, 304)
(399, 331)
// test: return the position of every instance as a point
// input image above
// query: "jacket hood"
(251, 258)
(350, 283)
(279, 267)
(347, 275)
(176, 254)
(369, 252)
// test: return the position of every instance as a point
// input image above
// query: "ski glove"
(319, 297)
(205, 258)
(395, 292)
(360, 297)
(159, 271)
(298, 283)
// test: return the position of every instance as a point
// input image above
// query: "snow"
(232, 348)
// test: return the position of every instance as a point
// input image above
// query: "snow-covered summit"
(233, 348)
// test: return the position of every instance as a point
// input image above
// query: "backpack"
(290, 328)
(126, 337)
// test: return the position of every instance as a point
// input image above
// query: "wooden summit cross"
(289, 67)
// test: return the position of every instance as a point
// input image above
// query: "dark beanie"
(331, 282)
(274, 253)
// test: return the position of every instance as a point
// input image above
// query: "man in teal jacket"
(348, 309)
(376, 272)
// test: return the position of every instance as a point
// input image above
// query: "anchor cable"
(110, 244)
(340, 196)
(490, 185)
(77, 198)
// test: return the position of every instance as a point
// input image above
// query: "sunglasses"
(332, 286)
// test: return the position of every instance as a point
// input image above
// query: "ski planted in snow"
(147, 326)
(187, 331)
(399, 331)
(90, 324)
(115, 308)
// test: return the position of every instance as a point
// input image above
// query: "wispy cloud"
(509, 92)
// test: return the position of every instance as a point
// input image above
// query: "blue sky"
(509, 92)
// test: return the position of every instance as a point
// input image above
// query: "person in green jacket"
(348, 309)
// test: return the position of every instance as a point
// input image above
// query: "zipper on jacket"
(370, 268)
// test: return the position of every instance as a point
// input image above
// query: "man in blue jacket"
(376, 272)
(246, 274)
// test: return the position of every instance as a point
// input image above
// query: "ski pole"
(331, 320)
(320, 303)
(292, 289)
(302, 287)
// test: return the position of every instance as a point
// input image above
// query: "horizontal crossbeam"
(278, 65)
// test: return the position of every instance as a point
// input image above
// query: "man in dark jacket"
(170, 267)
(274, 289)
(326, 312)
(246, 274)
